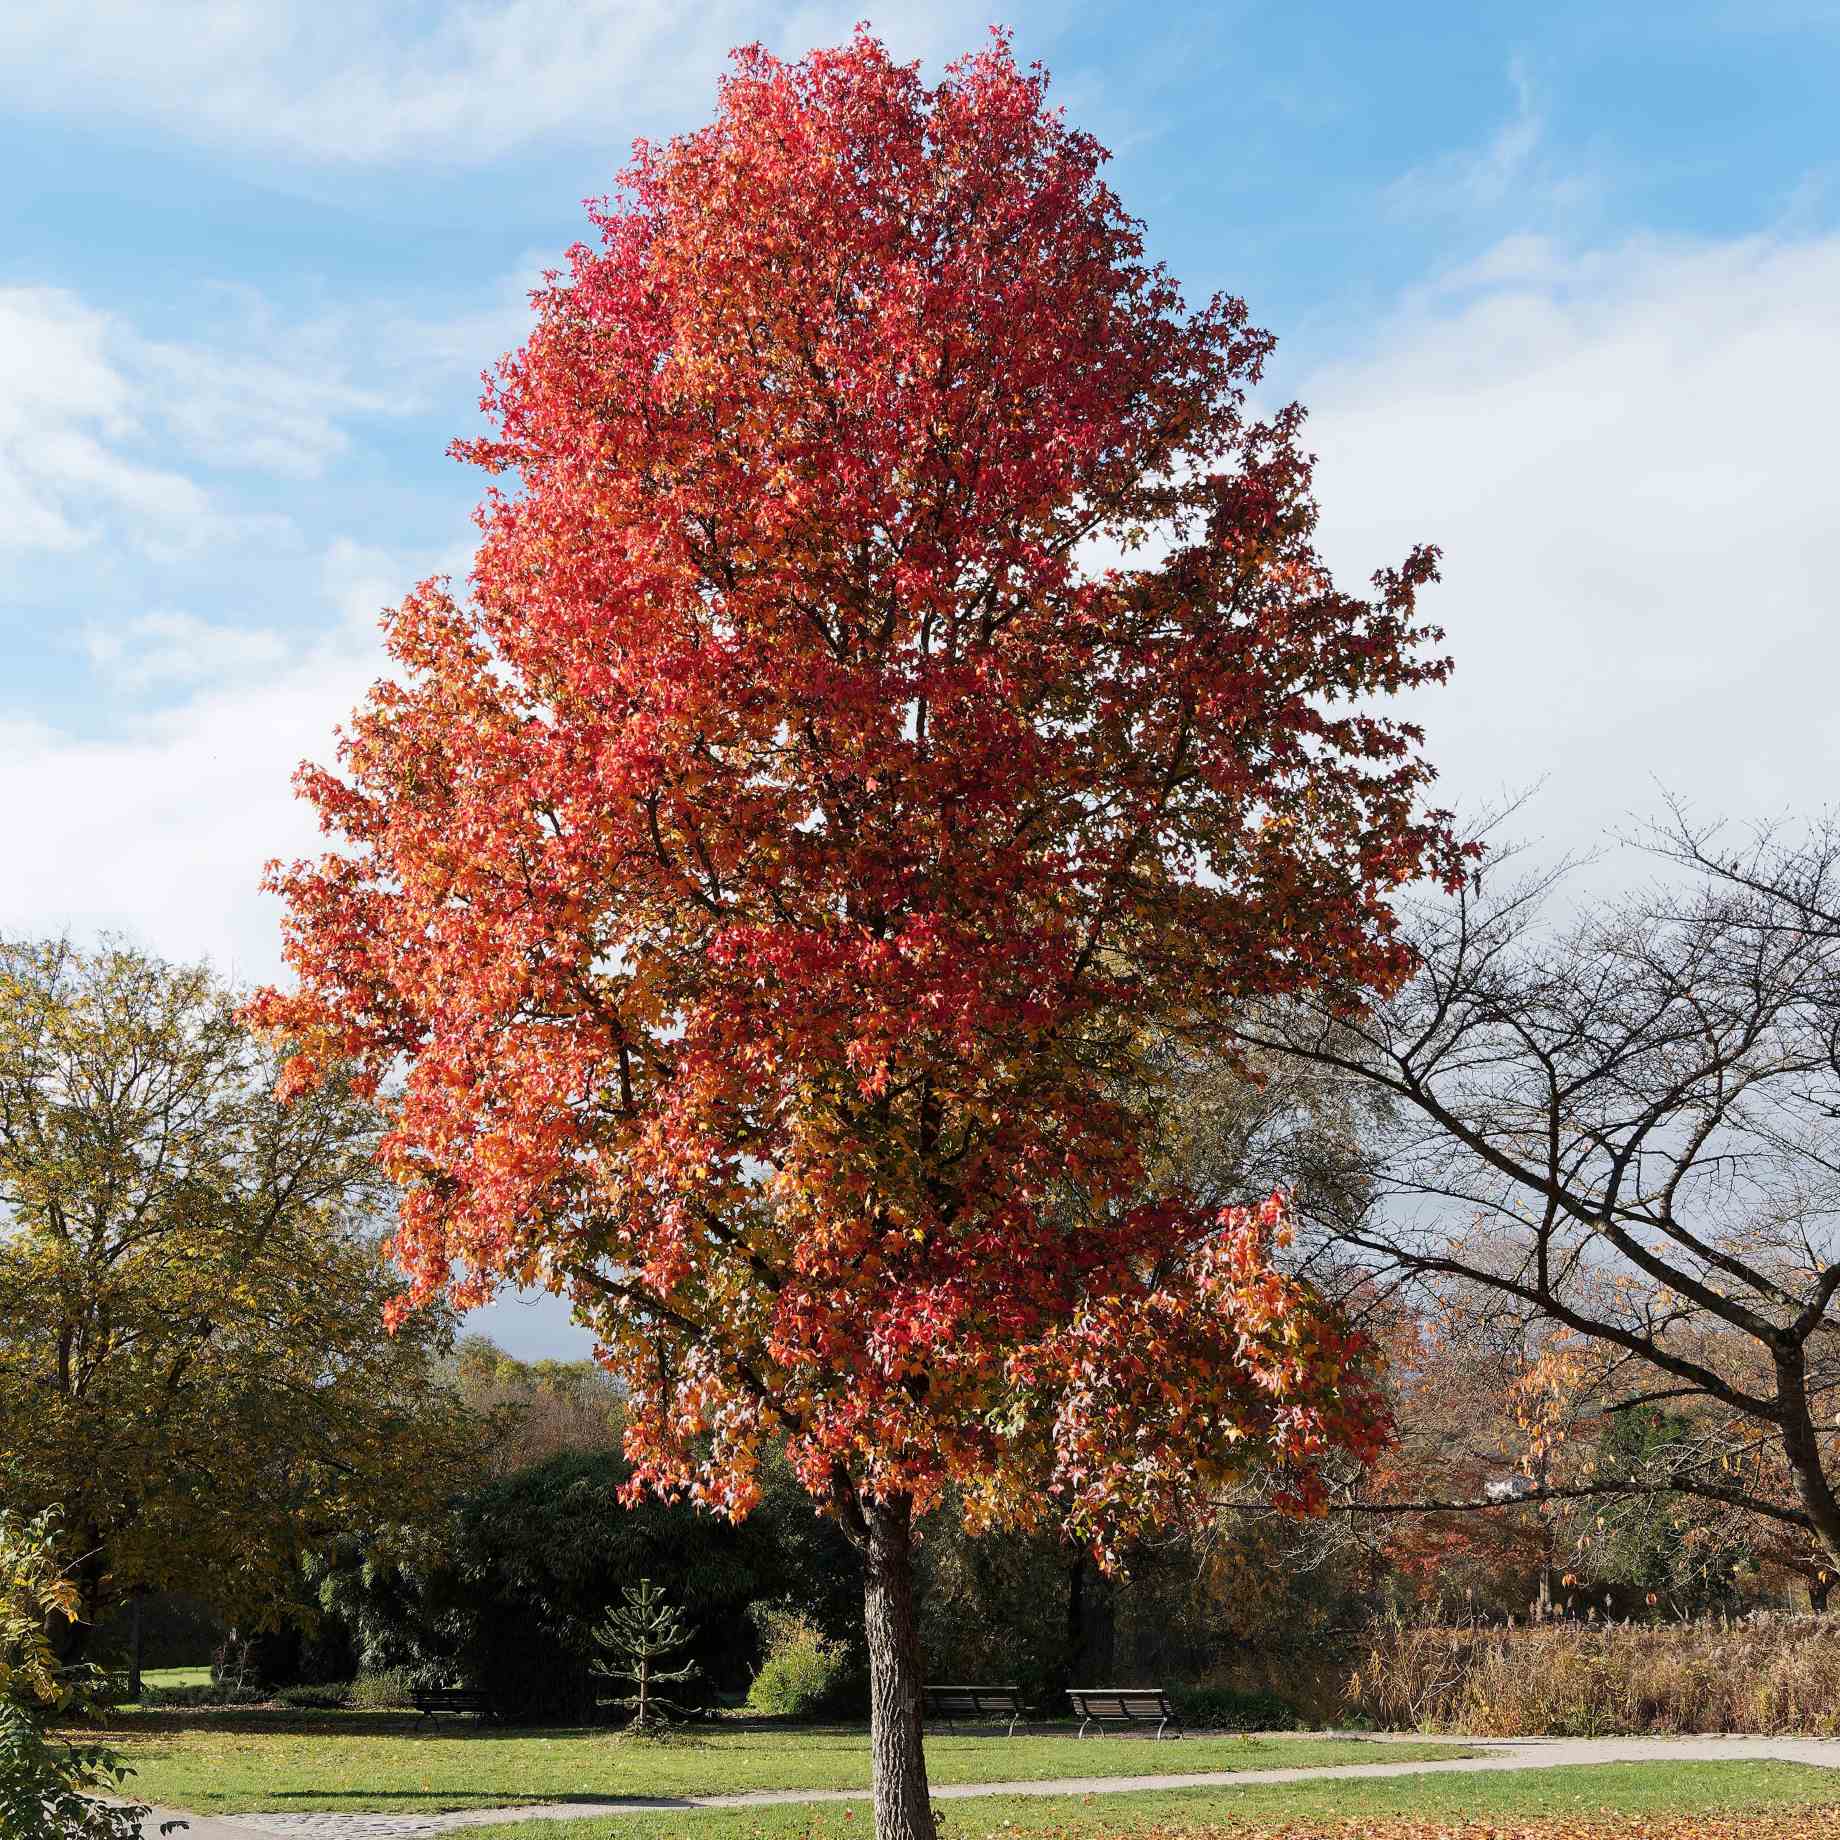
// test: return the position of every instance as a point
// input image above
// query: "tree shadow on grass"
(381, 1801)
(284, 1722)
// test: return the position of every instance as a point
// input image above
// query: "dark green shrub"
(217, 1693)
(1228, 1605)
(993, 1608)
(506, 1593)
(176, 1631)
(383, 1689)
(1227, 1709)
(296, 1656)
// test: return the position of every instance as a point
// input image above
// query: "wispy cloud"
(235, 411)
(1471, 181)
(107, 435)
(159, 650)
(346, 82)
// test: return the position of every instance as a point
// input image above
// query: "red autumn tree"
(768, 881)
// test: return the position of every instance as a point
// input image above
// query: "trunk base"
(903, 1803)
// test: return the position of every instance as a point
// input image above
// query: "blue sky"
(1561, 285)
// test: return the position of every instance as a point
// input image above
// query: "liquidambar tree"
(766, 878)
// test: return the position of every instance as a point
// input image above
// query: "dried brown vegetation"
(1776, 1824)
(1761, 1674)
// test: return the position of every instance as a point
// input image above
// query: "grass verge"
(226, 1764)
(1656, 1801)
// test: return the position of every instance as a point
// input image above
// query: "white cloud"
(1627, 459)
(160, 828)
(344, 81)
(1625, 456)
(156, 650)
(67, 412)
(93, 415)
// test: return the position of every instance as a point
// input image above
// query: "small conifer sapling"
(635, 1639)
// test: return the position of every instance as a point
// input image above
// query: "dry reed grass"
(1763, 1674)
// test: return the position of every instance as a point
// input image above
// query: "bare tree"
(1625, 1125)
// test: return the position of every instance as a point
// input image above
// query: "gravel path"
(1501, 1754)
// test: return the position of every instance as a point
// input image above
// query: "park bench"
(981, 1703)
(430, 1702)
(1104, 1706)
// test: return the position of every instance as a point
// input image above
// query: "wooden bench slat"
(430, 1700)
(1125, 1706)
(950, 1702)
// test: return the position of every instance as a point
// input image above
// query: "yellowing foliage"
(193, 1367)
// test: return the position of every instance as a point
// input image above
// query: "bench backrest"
(1121, 1702)
(974, 1699)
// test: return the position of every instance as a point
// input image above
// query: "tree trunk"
(1092, 1624)
(903, 1806)
(70, 1635)
(134, 1646)
(1549, 1535)
(1802, 1448)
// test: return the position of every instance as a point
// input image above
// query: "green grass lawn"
(176, 1677)
(230, 1763)
(1789, 1802)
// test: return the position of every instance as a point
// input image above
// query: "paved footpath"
(1500, 1754)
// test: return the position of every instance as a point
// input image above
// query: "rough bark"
(135, 1620)
(1092, 1624)
(1802, 1449)
(903, 1805)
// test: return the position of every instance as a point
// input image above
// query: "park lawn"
(176, 1677)
(363, 1763)
(1672, 1801)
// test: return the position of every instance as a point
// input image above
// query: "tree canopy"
(192, 1363)
(770, 876)
(1614, 1136)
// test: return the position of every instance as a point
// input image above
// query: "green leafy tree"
(505, 1589)
(638, 1637)
(49, 1785)
(1683, 1551)
(193, 1364)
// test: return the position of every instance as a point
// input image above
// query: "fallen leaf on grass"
(1795, 1823)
